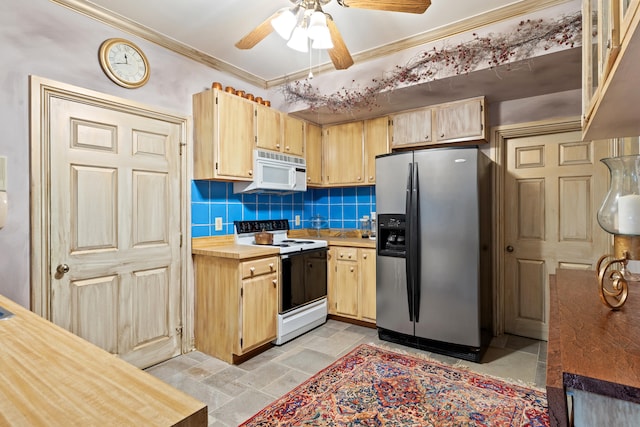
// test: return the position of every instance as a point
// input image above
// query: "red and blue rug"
(372, 386)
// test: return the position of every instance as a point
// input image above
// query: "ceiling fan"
(305, 21)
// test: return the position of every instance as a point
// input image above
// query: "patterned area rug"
(371, 386)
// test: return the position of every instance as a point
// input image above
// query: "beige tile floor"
(234, 393)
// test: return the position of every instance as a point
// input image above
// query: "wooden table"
(50, 377)
(591, 348)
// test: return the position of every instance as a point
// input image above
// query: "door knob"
(62, 269)
(509, 248)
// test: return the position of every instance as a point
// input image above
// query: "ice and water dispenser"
(391, 235)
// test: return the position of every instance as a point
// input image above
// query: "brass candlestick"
(625, 248)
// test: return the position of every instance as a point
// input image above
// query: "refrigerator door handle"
(408, 257)
(415, 243)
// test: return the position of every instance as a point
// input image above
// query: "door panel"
(115, 222)
(554, 185)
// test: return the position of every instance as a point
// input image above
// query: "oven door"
(304, 278)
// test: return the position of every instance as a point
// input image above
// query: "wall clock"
(124, 63)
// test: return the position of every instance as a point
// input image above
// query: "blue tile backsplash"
(341, 207)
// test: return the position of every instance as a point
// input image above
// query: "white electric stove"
(302, 303)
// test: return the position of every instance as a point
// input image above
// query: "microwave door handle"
(292, 178)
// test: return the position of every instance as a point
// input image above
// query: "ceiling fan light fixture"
(317, 24)
(299, 40)
(323, 40)
(284, 23)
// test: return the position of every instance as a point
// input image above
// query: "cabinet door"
(313, 156)
(234, 136)
(460, 121)
(368, 284)
(268, 128)
(344, 160)
(411, 128)
(259, 310)
(376, 141)
(293, 135)
(346, 288)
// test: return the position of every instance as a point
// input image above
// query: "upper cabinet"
(460, 121)
(453, 122)
(293, 135)
(223, 136)
(343, 154)
(313, 142)
(611, 63)
(376, 142)
(411, 128)
(268, 127)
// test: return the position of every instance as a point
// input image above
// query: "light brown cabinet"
(313, 142)
(268, 128)
(610, 62)
(460, 121)
(376, 142)
(343, 154)
(453, 122)
(223, 136)
(236, 304)
(293, 135)
(352, 283)
(411, 128)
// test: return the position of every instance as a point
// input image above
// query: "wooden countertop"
(225, 247)
(50, 377)
(594, 348)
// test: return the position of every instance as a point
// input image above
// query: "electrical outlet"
(297, 219)
(218, 223)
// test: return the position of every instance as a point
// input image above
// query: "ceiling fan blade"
(257, 34)
(407, 6)
(339, 54)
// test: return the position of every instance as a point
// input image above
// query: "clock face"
(124, 63)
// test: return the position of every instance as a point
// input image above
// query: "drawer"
(259, 267)
(347, 254)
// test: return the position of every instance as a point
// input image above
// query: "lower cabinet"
(236, 304)
(352, 283)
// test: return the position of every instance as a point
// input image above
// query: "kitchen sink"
(5, 314)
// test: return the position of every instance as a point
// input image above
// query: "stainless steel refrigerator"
(433, 266)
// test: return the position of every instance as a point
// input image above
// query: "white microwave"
(275, 173)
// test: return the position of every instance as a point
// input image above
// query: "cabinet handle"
(349, 256)
(277, 145)
(370, 178)
(309, 179)
(364, 256)
(341, 255)
(252, 270)
(250, 171)
(351, 269)
(275, 282)
(287, 148)
(271, 266)
(442, 135)
(359, 178)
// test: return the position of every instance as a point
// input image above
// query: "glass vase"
(620, 210)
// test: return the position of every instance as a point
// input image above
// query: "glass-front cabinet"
(610, 56)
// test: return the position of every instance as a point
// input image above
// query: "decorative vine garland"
(493, 49)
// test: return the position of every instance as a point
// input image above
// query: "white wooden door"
(554, 186)
(115, 225)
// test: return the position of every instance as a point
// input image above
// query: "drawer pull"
(275, 282)
(271, 266)
(364, 256)
(351, 269)
(252, 269)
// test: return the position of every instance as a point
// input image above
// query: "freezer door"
(449, 246)
(392, 297)
(391, 182)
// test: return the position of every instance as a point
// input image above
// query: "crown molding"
(132, 27)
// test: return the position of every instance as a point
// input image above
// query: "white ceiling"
(211, 27)
(207, 30)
